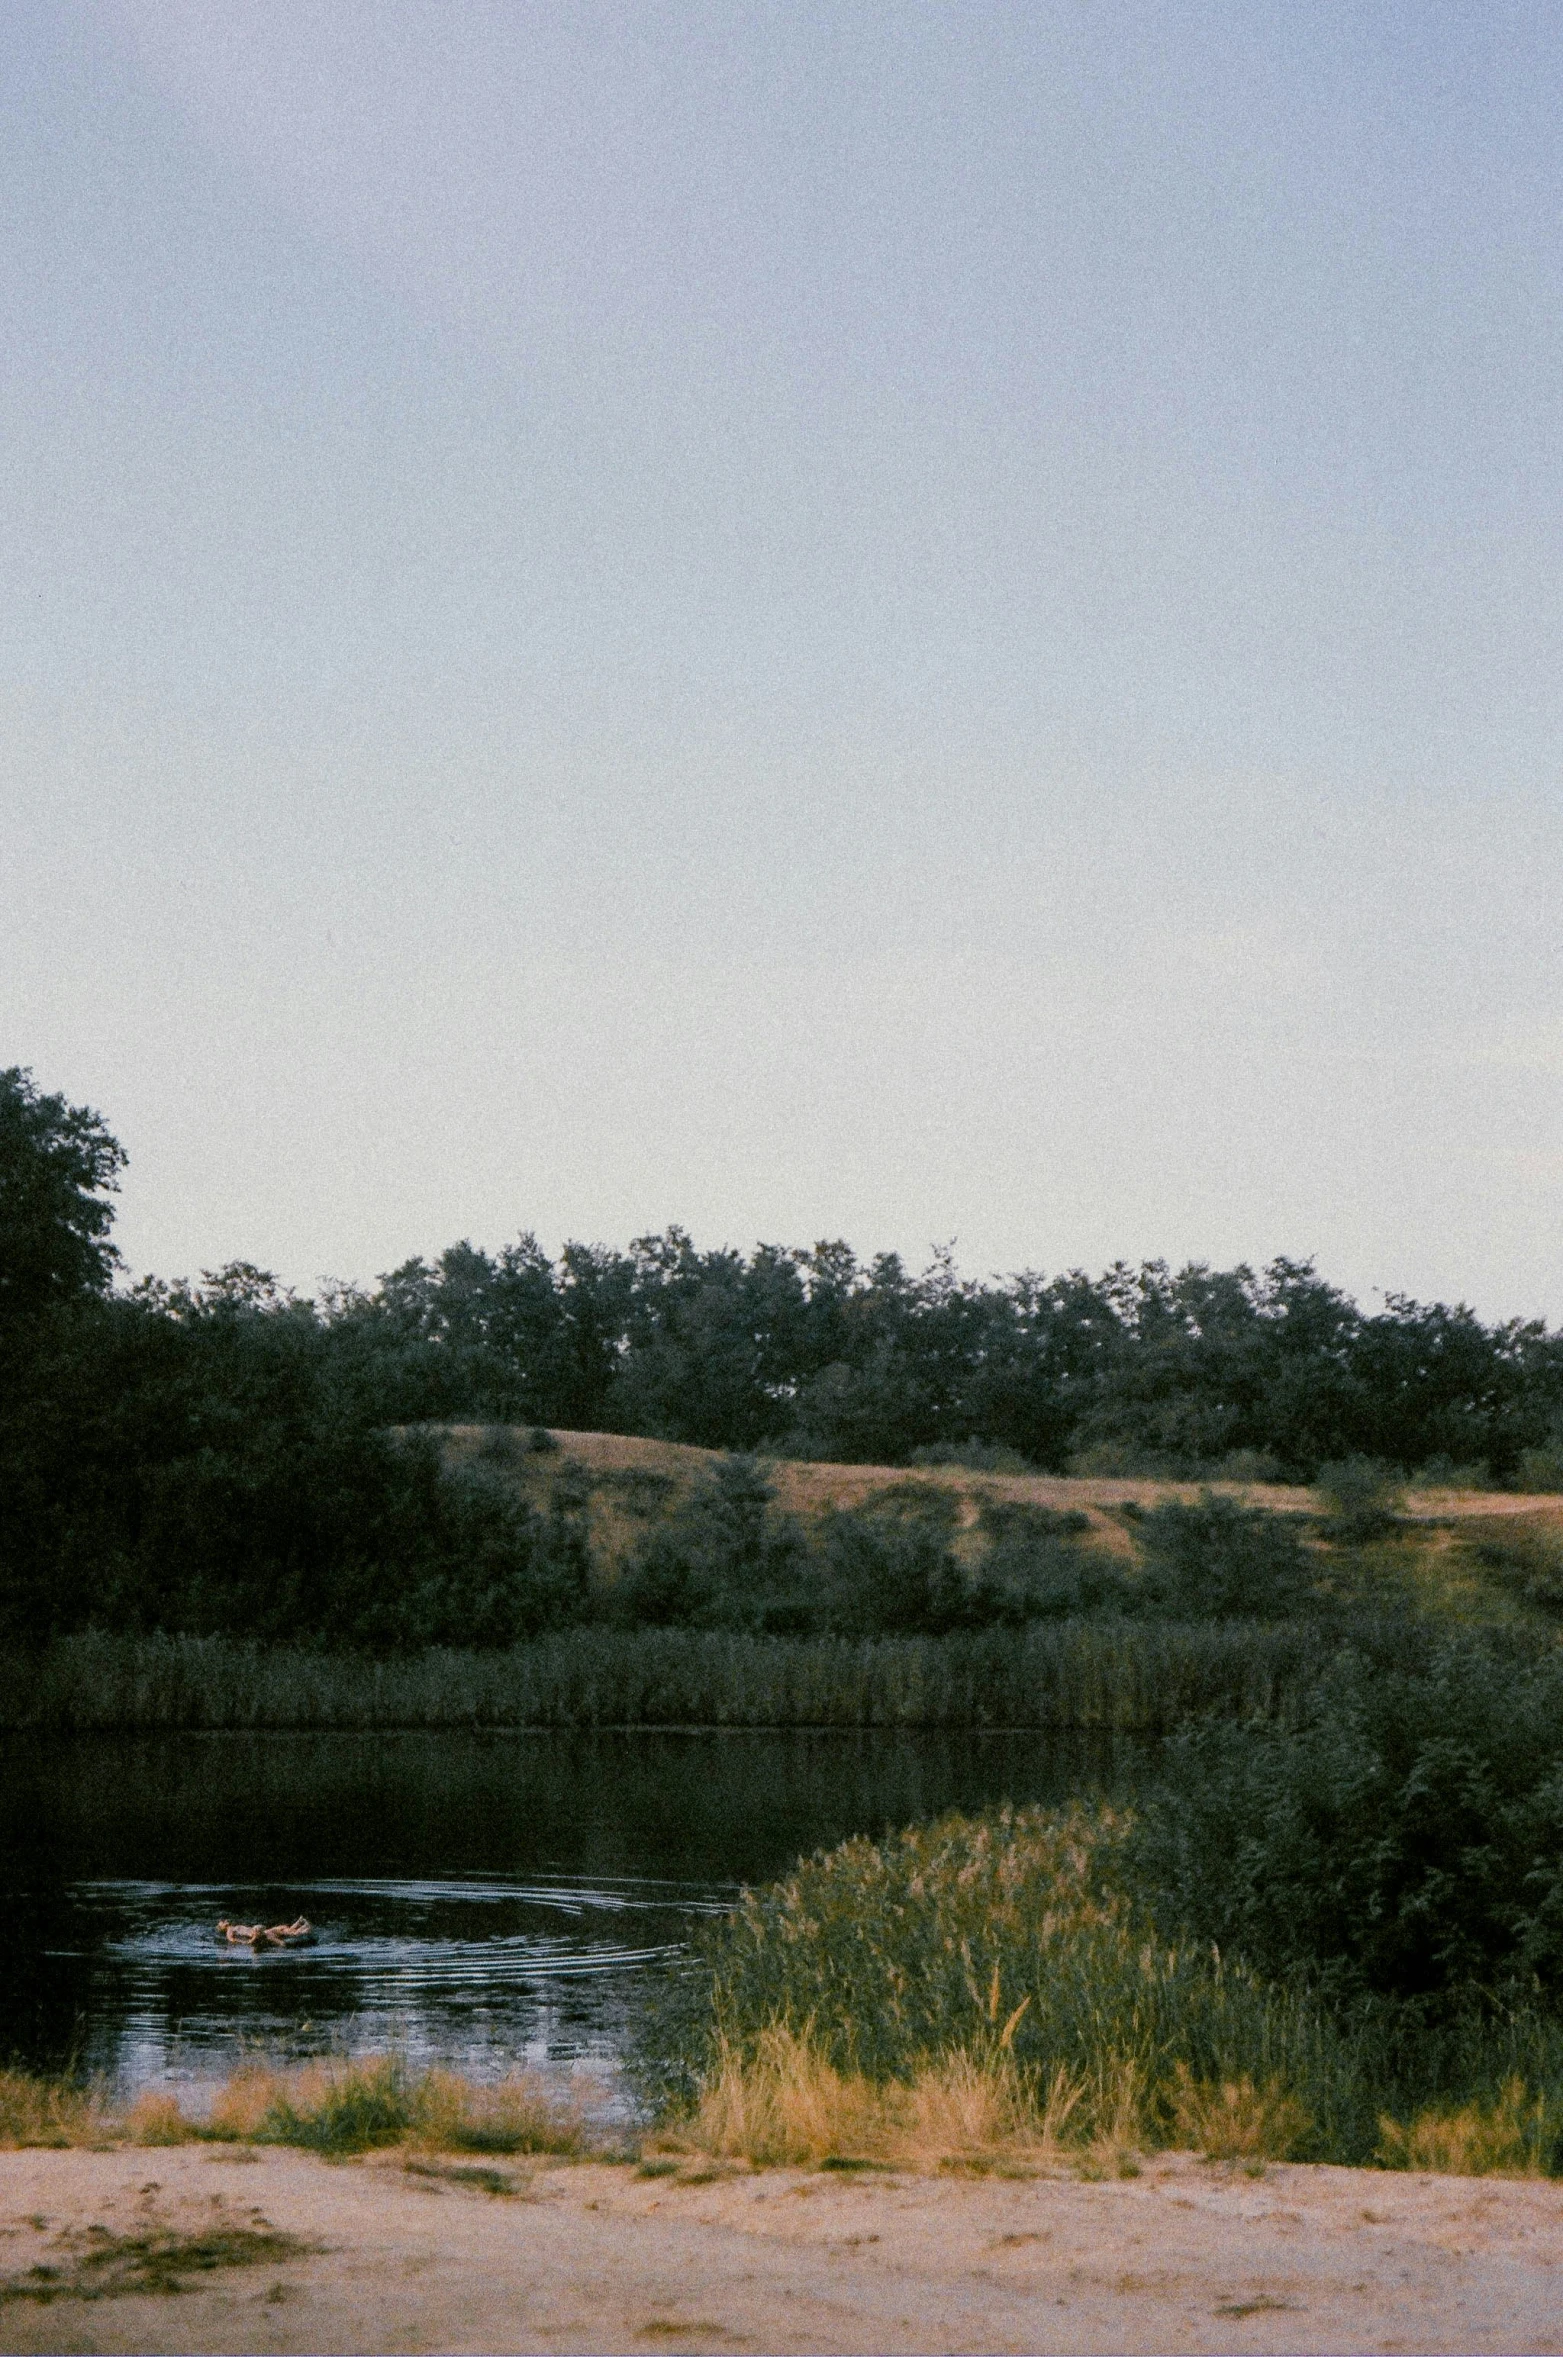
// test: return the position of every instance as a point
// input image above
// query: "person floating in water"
(261, 1935)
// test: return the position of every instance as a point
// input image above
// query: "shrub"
(888, 1567)
(725, 1559)
(1035, 1569)
(1222, 1561)
(1250, 1465)
(976, 1456)
(1363, 1496)
(1404, 1841)
(1542, 1468)
(501, 1444)
(1528, 1565)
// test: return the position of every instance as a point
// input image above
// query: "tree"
(58, 1166)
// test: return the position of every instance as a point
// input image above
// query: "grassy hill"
(1484, 1555)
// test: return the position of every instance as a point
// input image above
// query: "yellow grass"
(519, 2114)
(49, 2111)
(1505, 2138)
(155, 2118)
(787, 2106)
(1234, 2120)
(348, 2106)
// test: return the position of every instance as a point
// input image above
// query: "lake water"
(481, 1900)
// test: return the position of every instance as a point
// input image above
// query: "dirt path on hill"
(597, 2258)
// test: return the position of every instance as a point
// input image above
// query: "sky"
(933, 624)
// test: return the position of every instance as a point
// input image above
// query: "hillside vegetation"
(1459, 1555)
(789, 1444)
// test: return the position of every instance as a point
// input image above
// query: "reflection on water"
(484, 1971)
(482, 1900)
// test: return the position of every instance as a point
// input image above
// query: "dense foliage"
(224, 1457)
(1014, 1933)
(1403, 1840)
(812, 1353)
(1343, 1927)
(1031, 1944)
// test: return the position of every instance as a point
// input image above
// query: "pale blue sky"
(912, 622)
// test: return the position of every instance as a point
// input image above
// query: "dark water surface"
(482, 1900)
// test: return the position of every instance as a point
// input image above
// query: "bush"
(1528, 1566)
(1364, 1497)
(1542, 1468)
(725, 1559)
(1036, 1569)
(888, 1567)
(975, 1456)
(1403, 1843)
(1222, 1561)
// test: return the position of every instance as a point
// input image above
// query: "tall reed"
(1016, 1947)
(1010, 1939)
(1128, 1676)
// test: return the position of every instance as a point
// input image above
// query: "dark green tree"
(59, 1167)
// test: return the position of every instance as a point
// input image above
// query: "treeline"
(813, 1353)
(225, 1458)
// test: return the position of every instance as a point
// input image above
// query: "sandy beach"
(227, 2248)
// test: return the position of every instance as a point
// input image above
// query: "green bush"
(1222, 1561)
(1035, 1568)
(974, 1456)
(725, 1559)
(1402, 1840)
(1363, 1496)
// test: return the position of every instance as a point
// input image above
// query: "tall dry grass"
(1514, 2134)
(38, 2109)
(784, 2103)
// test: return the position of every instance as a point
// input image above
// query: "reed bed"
(1008, 1956)
(1118, 1675)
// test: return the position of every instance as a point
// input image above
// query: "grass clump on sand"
(350, 2107)
(342, 2108)
(1513, 2135)
(337, 2107)
(50, 2111)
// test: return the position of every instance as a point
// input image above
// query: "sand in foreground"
(597, 2258)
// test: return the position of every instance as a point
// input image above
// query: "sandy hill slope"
(633, 1482)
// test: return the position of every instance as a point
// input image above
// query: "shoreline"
(284, 2251)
